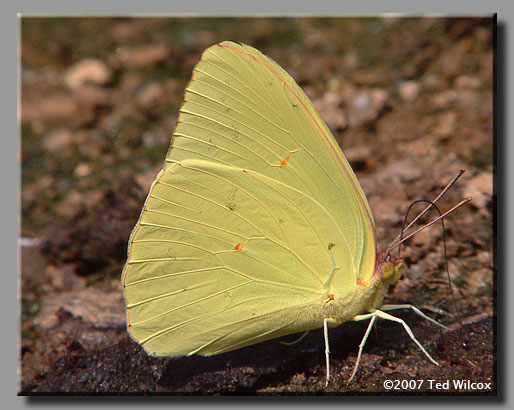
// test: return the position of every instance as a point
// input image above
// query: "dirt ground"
(409, 100)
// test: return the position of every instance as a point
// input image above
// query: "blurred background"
(410, 100)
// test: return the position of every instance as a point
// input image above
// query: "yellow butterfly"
(256, 227)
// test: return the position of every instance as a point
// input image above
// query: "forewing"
(241, 109)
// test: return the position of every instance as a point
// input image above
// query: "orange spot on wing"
(329, 298)
(360, 282)
(285, 161)
(240, 246)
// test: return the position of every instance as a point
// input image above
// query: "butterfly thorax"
(369, 294)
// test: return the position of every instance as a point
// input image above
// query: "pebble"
(443, 100)
(480, 187)
(431, 81)
(329, 107)
(100, 308)
(53, 107)
(147, 56)
(446, 124)
(58, 140)
(466, 81)
(150, 95)
(365, 106)
(125, 31)
(87, 71)
(82, 170)
(408, 90)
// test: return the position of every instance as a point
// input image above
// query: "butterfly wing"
(223, 257)
(242, 109)
(255, 218)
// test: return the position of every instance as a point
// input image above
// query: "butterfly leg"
(327, 350)
(363, 342)
(415, 310)
(387, 316)
(296, 340)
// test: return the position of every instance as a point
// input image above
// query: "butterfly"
(256, 227)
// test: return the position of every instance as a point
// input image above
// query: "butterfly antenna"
(399, 238)
(446, 188)
(445, 252)
(398, 243)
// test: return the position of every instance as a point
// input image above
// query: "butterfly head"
(389, 268)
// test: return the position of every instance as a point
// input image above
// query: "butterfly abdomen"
(368, 295)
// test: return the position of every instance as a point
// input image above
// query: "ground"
(409, 100)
